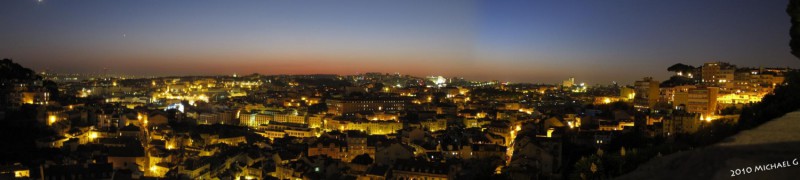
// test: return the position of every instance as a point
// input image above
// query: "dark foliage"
(784, 99)
(13, 71)
(680, 67)
(329, 82)
(730, 111)
(677, 81)
(318, 108)
(794, 12)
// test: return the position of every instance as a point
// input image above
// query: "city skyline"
(535, 42)
(399, 89)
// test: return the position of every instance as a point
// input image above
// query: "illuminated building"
(556, 122)
(414, 169)
(502, 128)
(278, 130)
(332, 148)
(434, 125)
(357, 145)
(605, 100)
(579, 88)
(751, 85)
(176, 106)
(568, 83)
(379, 116)
(474, 123)
(159, 170)
(572, 120)
(614, 125)
(32, 98)
(231, 140)
(290, 117)
(155, 119)
(702, 100)
(92, 136)
(627, 94)
(678, 96)
(53, 116)
(528, 111)
(51, 119)
(15, 171)
(449, 92)
(226, 117)
(681, 123)
(35, 97)
(511, 106)
(734, 99)
(104, 121)
(156, 156)
(315, 120)
(718, 74)
(406, 92)
(647, 93)
(375, 127)
(181, 93)
(236, 92)
(370, 127)
(311, 100)
(254, 119)
(438, 81)
(349, 105)
(473, 114)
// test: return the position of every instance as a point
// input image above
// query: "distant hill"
(10, 71)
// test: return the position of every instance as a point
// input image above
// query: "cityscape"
(92, 109)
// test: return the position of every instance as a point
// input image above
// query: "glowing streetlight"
(51, 119)
(92, 135)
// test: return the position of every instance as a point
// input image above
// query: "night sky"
(519, 41)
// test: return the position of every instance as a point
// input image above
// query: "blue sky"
(518, 41)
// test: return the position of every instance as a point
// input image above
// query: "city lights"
(51, 119)
(93, 135)
(398, 89)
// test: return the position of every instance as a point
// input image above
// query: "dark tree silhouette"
(794, 12)
(680, 67)
(677, 81)
(13, 71)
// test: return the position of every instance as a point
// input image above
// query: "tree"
(317, 108)
(13, 71)
(680, 67)
(677, 81)
(794, 12)
(730, 110)
(589, 167)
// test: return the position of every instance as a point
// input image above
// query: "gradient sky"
(519, 41)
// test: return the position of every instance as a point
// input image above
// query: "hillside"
(772, 142)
